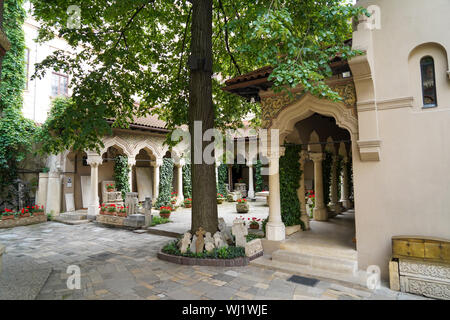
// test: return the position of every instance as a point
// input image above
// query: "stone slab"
(394, 277)
(144, 182)
(111, 220)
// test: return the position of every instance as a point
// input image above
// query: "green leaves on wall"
(121, 172)
(165, 183)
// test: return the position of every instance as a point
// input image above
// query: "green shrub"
(222, 253)
(159, 220)
(165, 183)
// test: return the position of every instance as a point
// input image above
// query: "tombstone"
(253, 248)
(131, 202)
(209, 242)
(239, 231)
(219, 241)
(185, 242)
(199, 245)
(148, 211)
(194, 244)
(225, 231)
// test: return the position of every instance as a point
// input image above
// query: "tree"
(139, 48)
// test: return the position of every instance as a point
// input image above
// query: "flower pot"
(164, 215)
(254, 226)
(25, 215)
(242, 207)
(122, 214)
(10, 217)
(188, 205)
(220, 200)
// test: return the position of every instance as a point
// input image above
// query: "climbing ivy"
(259, 182)
(326, 176)
(290, 175)
(121, 172)
(165, 183)
(222, 179)
(350, 178)
(16, 132)
(339, 166)
(187, 184)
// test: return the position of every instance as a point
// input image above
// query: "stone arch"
(118, 142)
(306, 106)
(430, 45)
(147, 145)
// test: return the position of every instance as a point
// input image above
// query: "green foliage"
(350, 178)
(121, 171)
(187, 184)
(259, 182)
(339, 166)
(223, 177)
(165, 183)
(13, 77)
(158, 220)
(263, 225)
(140, 48)
(229, 252)
(326, 176)
(290, 174)
(253, 236)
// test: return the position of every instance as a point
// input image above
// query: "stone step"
(319, 262)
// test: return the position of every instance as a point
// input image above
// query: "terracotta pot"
(10, 217)
(188, 205)
(25, 215)
(122, 214)
(242, 207)
(164, 215)
(254, 226)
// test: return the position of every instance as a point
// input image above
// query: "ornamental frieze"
(271, 106)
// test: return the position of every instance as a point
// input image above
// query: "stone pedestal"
(135, 221)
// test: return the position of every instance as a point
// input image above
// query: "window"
(27, 67)
(60, 84)
(428, 82)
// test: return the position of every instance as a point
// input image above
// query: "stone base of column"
(320, 214)
(347, 204)
(336, 207)
(251, 194)
(305, 219)
(93, 211)
(275, 231)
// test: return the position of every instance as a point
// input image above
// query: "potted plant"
(111, 210)
(24, 213)
(188, 203)
(110, 187)
(7, 215)
(242, 206)
(37, 210)
(122, 212)
(164, 212)
(220, 198)
(173, 197)
(254, 223)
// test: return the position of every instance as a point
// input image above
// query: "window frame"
(60, 93)
(435, 104)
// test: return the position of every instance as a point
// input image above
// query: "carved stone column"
(131, 164)
(320, 211)
(251, 190)
(335, 205)
(180, 197)
(301, 191)
(275, 229)
(156, 165)
(94, 160)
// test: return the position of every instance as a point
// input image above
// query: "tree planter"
(242, 207)
(11, 222)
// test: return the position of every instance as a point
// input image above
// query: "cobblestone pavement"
(120, 264)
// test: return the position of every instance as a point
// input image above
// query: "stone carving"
(434, 270)
(253, 247)
(225, 231)
(185, 242)
(194, 244)
(219, 240)
(209, 242)
(239, 231)
(200, 244)
(131, 202)
(426, 288)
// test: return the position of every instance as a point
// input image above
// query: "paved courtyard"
(119, 264)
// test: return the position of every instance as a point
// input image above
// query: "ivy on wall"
(350, 178)
(290, 175)
(326, 176)
(165, 183)
(16, 132)
(222, 179)
(121, 171)
(339, 166)
(187, 184)
(259, 182)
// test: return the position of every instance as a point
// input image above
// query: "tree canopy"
(138, 50)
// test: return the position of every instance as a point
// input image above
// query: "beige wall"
(407, 192)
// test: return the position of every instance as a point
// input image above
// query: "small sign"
(69, 182)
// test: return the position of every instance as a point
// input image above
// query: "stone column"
(53, 203)
(301, 190)
(251, 190)
(156, 165)
(131, 164)
(275, 229)
(42, 189)
(335, 205)
(180, 197)
(320, 211)
(94, 160)
(346, 203)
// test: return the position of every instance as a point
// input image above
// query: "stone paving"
(120, 264)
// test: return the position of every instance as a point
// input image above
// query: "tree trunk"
(204, 193)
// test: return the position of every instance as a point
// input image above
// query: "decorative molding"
(404, 102)
(369, 150)
(368, 105)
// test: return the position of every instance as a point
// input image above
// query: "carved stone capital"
(94, 160)
(131, 162)
(304, 155)
(316, 157)
(180, 163)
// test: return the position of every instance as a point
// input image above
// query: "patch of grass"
(158, 220)
(222, 253)
(253, 236)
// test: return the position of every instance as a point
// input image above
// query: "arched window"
(428, 82)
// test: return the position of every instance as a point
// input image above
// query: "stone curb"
(236, 262)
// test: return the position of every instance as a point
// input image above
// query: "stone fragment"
(253, 247)
(194, 244)
(200, 244)
(209, 242)
(131, 202)
(240, 232)
(219, 240)
(225, 231)
(185, 242)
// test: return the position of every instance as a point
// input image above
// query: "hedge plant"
(290, 175)
(222, 179)
(259, 181)
(187, 184)
(326, 176)
(165, 183)
(121, 172)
